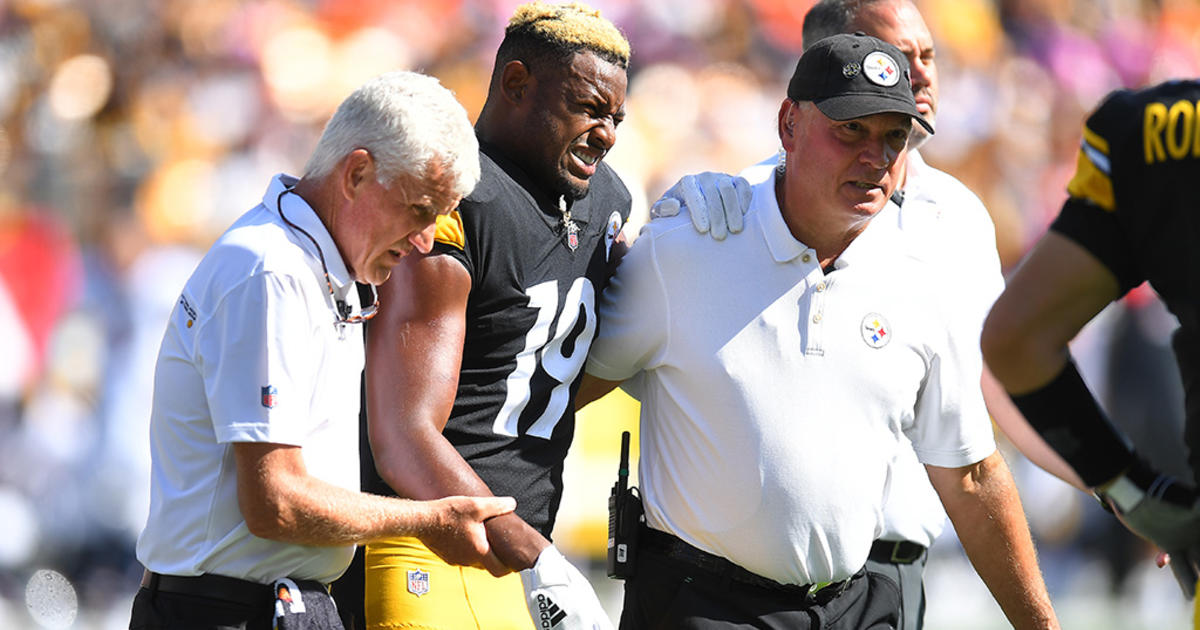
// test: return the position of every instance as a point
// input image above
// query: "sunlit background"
(132, 132)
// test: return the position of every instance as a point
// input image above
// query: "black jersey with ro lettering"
(1134, 205)
(530, 320)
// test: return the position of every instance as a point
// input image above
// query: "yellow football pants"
(1196, 610)
(409, 587)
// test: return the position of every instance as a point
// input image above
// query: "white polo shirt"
(945, 224)
(775, 396)
(252, 353)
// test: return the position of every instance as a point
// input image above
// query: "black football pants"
(671, 595)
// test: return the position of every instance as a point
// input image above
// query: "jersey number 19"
(540, 345)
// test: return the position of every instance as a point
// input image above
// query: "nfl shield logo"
(418, 582)
(268, 396)
(572, 240)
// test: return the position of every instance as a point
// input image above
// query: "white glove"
(1164, 511)
(559, 597)
(715, 201)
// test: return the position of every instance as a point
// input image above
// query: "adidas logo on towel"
(549, 614)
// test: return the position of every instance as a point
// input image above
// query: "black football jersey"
(1132, 205)
(530, 320)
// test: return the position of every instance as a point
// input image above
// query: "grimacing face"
(572, 123)
(899, 23)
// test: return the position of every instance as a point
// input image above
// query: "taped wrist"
(1066, 415)
(1159, 485)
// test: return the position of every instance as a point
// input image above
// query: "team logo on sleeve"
(418, 582)
(611, 231)
(876, 330)
(269, 396)
(187, 308)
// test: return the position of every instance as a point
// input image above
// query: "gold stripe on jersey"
(1096, 140)
(450, 230)
(1092, 181)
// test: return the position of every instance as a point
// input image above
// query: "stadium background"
(132, 132)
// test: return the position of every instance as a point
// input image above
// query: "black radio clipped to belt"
(624, 519)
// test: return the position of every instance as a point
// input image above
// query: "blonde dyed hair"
(563, 29)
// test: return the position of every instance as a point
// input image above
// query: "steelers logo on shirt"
(611, 232)
(876, 330)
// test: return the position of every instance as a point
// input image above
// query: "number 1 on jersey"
(580, 302)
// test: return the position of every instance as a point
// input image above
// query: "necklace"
(568, 223)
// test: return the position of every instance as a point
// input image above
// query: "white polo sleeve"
(979, 266)
(256, 358)
(948, 225)
(951, 426)
(633, 314)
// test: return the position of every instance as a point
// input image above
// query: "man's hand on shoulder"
(716, 202)
(557, 592)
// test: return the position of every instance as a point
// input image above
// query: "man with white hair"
(254, 505)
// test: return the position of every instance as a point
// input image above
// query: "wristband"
(1124, 493)
(1066, 415)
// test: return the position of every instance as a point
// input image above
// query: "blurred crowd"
(132, 132)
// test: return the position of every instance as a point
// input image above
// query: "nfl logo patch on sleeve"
(269, 394)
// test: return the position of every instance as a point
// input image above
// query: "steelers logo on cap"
(881, 69)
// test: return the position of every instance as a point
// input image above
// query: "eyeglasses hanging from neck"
(343, 309)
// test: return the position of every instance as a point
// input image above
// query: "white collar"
(915, 168)
(784, 247)
(300, 213)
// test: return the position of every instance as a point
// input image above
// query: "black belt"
(676, 549)
(893, 552)
(212, 586)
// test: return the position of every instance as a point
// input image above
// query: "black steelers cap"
(851, 76)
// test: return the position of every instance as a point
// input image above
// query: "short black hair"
(831, 17)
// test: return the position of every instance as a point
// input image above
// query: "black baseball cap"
(851, 76)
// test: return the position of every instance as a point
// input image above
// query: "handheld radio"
(624, 519)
